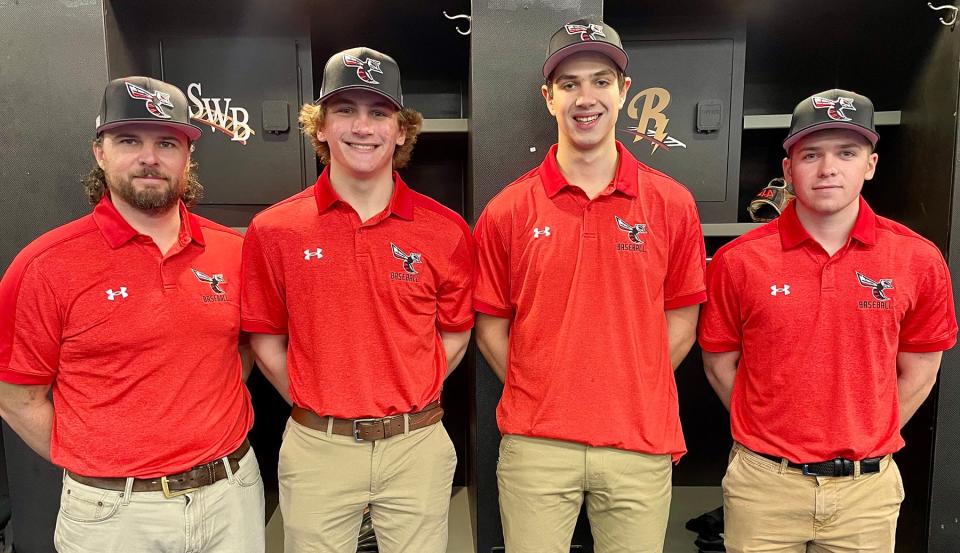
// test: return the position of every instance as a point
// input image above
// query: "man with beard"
(131, 316)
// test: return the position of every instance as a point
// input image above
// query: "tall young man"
(868, 307)
(358, 292)
(132, 316)
(590, 276)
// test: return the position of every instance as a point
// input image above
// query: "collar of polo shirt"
(792, 233)
(401, 202)
(626, 179)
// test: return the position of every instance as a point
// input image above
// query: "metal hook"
(461, 16)
(953, 20)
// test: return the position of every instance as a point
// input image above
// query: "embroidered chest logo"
(633, 233)
(785, 290)
(877, 288)
(312, 254)
(538, 232)
(114, 294)
(215, 281)
(409, 271)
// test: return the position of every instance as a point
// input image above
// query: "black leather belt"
(835, 467)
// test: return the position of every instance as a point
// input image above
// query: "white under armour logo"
(785, 290)
(307, 254)
(537, 233)
(111, 295)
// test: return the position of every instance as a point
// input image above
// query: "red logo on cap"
(364, 67)
(156, 100)
(834, 107)
(591, 32)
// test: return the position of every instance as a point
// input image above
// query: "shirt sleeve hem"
(940, 345)
(462, 327)
(260, 327)
(685, 301)
(11, 376)
(488, 309)
(718, 347)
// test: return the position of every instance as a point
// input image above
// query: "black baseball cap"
(584, 35)
(832, 109)
(145, 100)
(362, 68)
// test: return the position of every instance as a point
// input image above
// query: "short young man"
(358, 292)
(867, 307)
(132, 316)
(590, 276)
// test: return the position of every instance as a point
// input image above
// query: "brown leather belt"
(174, 484)
(369, 430)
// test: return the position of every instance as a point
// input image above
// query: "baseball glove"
(770, 202)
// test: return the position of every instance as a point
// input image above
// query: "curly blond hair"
(410, 121)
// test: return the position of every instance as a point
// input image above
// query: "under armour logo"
(537, 233)
(111, 295)
(785, 290)
(307, 254)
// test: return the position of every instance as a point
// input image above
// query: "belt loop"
(783, 466)
(63, 479)
(406, 424)
(127, 492)
(329, 426)
(856, 470)
(226, 465)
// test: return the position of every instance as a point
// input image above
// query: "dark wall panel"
(932, 122)
(51, 81)
(510, 133)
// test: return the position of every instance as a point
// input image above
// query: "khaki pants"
(773, 508)
(544, 482)
(224, 517)
(327, 480)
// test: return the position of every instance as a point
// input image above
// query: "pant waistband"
(174, 484)
(369, 430)
(831, 467)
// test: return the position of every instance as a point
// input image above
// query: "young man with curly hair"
(131, 315)
(358, 294)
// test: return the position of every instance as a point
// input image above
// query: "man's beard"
(149, 200)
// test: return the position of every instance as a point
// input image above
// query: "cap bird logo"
(591, 32)
(834, 107)
(877, 286)
(155, 100)
(364, 68)
(408, 260)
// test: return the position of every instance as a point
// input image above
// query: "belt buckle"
(165, 485)
(805, 468)
(356, 431)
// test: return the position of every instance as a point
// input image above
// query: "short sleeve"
(931, 324)
(721, 323)
(455, 299)
(262, 297)
(492, 294)
(684, 283)
(31, 326)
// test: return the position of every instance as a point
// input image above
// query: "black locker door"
(231, 82)
(659, 123)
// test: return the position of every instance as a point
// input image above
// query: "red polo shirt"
(585, 284)
(819, 334)
(362, 303)
(141, 348)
